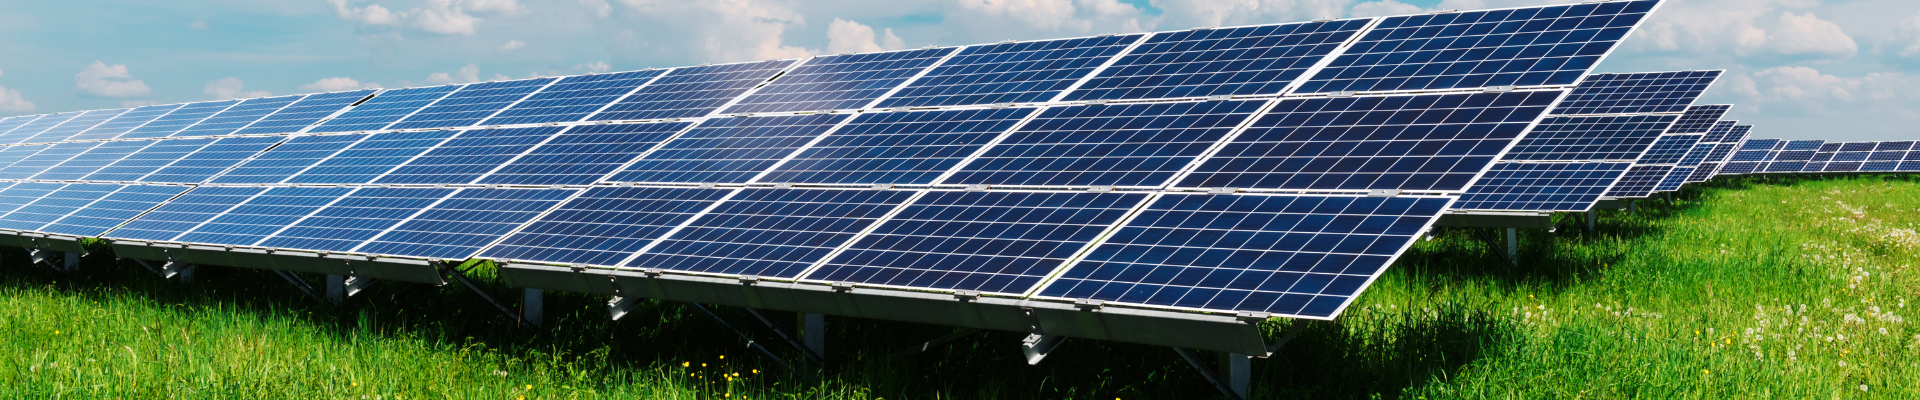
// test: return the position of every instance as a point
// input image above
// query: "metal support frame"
(532, 307)
(1038, 344)
(356, 284)
(814, 334)
(1513, 246)
(1632, 207)
(757, 348)
(817, 357)
(1205, 372)
(454, 271)
(1590, 220)
(70, 262)
(299, 284)
(619, 306)
(960, 333)
(336, 289)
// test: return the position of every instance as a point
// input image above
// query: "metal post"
(1193, 360)
(1590, 220)
(71, 262)
(336, 288)
(1240, 373)
(531, 306)
(1513, 246)
(1632, 207)
(814, 334)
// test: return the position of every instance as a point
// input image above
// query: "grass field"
(1741, 289)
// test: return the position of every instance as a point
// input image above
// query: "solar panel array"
(1268, 169)
(1667, 155)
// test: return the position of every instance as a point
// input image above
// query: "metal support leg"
(1205, 372)
(532, 307)
(817, 357)
(299, 284)
(183, 271)
(1240, 373)
(1513, 246)
(70, 262)
(961, 333)
(1037, 346)
(1590, 220)
(815, 335)
(336, 288)
(757, 348)
(1632, 207)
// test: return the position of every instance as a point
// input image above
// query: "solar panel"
(468, 155)
(1569, 187)
(23, 193)
(774, 233)
(1011, 72)
(1141, 145)
(123, 123)
(1804, 144)
(28, 130)
(48, 157)
(470, 105)
(728, 150)
(1699, 119)
(354, 219)
(13, 154)
(839, 82)
(1704, 172)
(911, 148)
(993, 242)
(86, 120)
(154, 154)
(1421, 142)
(237, 117)
(1669, 149)
(1740, 168)
(573, 98)
(54, 205)
(287, 159)
(1293, 256)
(208, 161)
(300, 114)
(459, 226)
(1600, 138)
(385, 108)
(1654, 92)
(8, 123)
(1208, 62)
(1886, 157)
(184, 213)
(1639, 181)
(370, 158)
(583, 155)
(1674, 179)
(93, 159)
(99, 216)
(180, 118)
(692, 92)
(262, 215)
(1526, 46)
(605, 225)
(1719, 132)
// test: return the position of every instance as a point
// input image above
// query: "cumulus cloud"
(338, 84)
(599, 8)
(1192, 13)
(231, 88)
(446, 17)
(1042, 14)
(198, 25)
(1804, 90)
(510, 46)
(467, 74)
(1799, 35)
(1384, 8)
(1904, 43)
(100, 79)
(719, 30)
(851, 37)
(136, 103)
(10, 100)
(594, 67)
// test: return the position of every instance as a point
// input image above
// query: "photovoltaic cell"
(1566, 187)
(261, 215)
(583, 155)
(458, 227)
(573, 98)
(728, 150)
(354, 219)
(48, 157)
(605, 225)
(24, 193)
(897, 147)
(90, 161)
(287, 159)
(994, 242)
(1639, 181)
(1655, 92)
(1601, 138)
(1428, 142)
(1704, 172)
(211, 160)
(839, 82)
(237, 117)
(692, 92)
(13, 154)
(776, 233)
(305, 112)
(1526, 46)
(1106, 145)
(1022, 72)
(1302, 256)
(54, 205)
(112, 210)
(1699, 119)
(1669, 149)
(86, 120)
(180, 118)
(372, 157)
(1208, 62)
(28, 130)
(155, 155)
(471, 104)
(1739, 168)
(384, 109)
(1719, 132)
(182, 214)
(468, 156)
(1697, 155)
(7, 124)
(1674, 179)
(123, 123)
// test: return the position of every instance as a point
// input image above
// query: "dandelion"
(529, 387)
(723, 356)
(1705, 372)
(1863, 388)
(1843, 363)
(685, 364)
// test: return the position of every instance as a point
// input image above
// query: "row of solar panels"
(1762, 156)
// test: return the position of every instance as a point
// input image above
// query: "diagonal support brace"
(817, 358)
(958, 334)
(300, 284)
(454, 271)
(1207, 373)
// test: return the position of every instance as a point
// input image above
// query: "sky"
(1797, 69)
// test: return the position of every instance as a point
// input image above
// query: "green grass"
(1743, 289)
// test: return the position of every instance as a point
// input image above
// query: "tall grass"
(1742, 289)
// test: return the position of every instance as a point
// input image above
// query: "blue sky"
(1835, 70)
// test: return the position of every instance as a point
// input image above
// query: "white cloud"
(443, 17)
(136, 103)
(467, 74)
(1797, 90)
(338, 84)
(100, 79)
(1192, 13)
(1803, 35)
(231, 88)
(10, 101)
(600, 8)
(370, 15)
(446, 17)
(510, 46)
(1041, 14)
(1905, 40)
(1384, 8)
(720, 30)
(594, 67)
(851, 37)
(198, 25)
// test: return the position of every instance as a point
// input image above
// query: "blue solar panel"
(1699, 119)
(155, 155)
(1614, 138)
(237, 117)
(471, 104)
(210, 160)
(1719, 132)
(1639, 181)
(1697, 155)
(1106, 145)
(1804, 144)
(47, 158)
(605, 225)
(287, 159)
(1208, 62)
(1427, 142)
(1527, 46)
(692, 92)
(1704, 172)
(1759, 144)
(1786, 166)
(897, 148)
(1655, 92)
(23, 193)
(111, 211)
(28, 130)
(1569, 187)
(372, 157)
(123, 123)
(465, 222)
(1886, 157)
(305, 112)
(180, 118)
(1022, 72)
(262, 215)
(1674, 179)
(728, 150)
(184, 213)
(86, 120)
(468, 156)
(8, 123)
(775, 233)
(995, 242)
(572, 98)
(13, 154)
(385, 108)
(583, 155)
(1740, 168)
(86, 163)
(1669, 149)
(354, 219)
(1300, 256)
(839, 82)
(54, 205)
(1739, 134)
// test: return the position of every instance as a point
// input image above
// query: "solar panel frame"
(1083, 146)
(574, 98)
(1556, 187)
(1650, 92)
(1250, 60)
(1553, 45)
(471, 104)
(384, 109)
(839, 82)
(693, 92)
(180, 118)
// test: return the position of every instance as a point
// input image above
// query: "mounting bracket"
(1037, 345)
